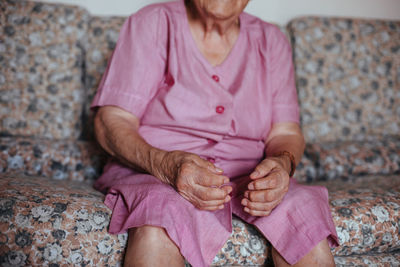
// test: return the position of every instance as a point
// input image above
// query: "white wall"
(278, 11)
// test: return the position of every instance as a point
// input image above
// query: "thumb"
(262, 169)
(211, 167)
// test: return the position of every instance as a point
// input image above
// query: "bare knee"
(148, 233)
(320, 256)
(151, 246)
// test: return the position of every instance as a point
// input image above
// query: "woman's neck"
(209, 24)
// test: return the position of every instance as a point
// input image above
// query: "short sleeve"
(136, 67)
(285, 107)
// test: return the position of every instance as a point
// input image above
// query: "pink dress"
(221, 113)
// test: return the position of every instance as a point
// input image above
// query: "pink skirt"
(294, 227)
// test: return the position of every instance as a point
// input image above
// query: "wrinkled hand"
(196, 179)
(269, 186)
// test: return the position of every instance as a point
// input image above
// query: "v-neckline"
(196, 48)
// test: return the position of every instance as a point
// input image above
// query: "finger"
(206, 178)
(263, 195)
(202, 204)
(263, 169)
(212, 208)
(209, 193)
(209, 166)
(260, 206)
(257, 212)
(268, 182)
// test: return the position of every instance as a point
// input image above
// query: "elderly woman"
(198, 109)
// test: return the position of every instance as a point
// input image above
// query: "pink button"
(220, 109)
(212, 160)
(215, 78)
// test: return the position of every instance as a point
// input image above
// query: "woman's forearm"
(195, 179)
(117, 132)
(286, 137)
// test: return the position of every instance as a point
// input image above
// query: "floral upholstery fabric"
(41, 58)
(380, 260)
(60, 160)
(348, 75)
(83, 160)
(102, 35)
(366, 212)
(44, 221)
(345, 159)
(52, 57)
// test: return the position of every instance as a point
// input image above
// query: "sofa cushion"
(44, 221)
(102, 37)
(63, 159)
(348, 74)
(382, 259)
(41, 58)
(346, 159)
(366, 212)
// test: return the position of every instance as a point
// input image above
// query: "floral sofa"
(51, 59)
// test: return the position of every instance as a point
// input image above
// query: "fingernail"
(244, 202)
(218, 169)
(226, 180)
(221, 207)
(227, 199)
(251, 186)
(246, 209)
(246, 194)
(229, 190)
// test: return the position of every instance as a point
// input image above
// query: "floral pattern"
(381, 260)
(366, 212)
(41, 69)
(60, 160)
(50, 222)
(52, 57)
(103, 34)
(65, 222)
(345, 159)
(348, 76)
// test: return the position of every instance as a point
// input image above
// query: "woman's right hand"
(196, 179)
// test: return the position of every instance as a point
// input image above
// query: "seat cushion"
(57, 159)
(382, 259)
(366, 212)
(45, 221)
(41, 88)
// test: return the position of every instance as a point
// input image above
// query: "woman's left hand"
(269, 186)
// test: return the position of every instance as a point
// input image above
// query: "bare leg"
(320, 255)
(150, 246)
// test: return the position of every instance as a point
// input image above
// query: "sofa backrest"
(102, 36)
(52, 57)
(348, 77)
(41, 60)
